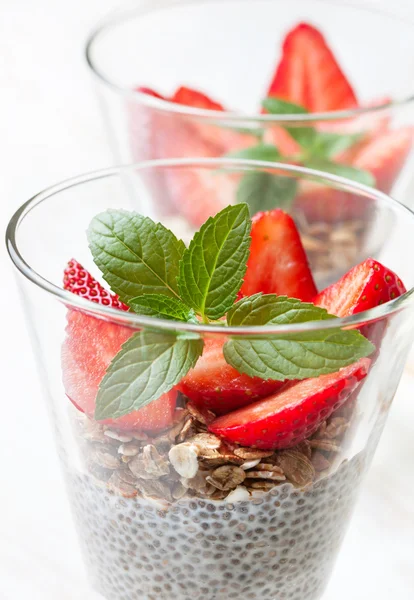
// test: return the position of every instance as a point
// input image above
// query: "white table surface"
(50, 129)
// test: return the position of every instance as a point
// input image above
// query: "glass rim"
(136, 321)
(230, 116)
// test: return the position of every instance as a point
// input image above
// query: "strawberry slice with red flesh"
(309, 74)
(217, 386)
(277, 263)
(89, 347)
(292, 415)
(365, 286)
(191, 97)
(385, 156)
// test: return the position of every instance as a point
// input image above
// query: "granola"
(186, 460)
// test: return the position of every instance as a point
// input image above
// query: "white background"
(50, 129)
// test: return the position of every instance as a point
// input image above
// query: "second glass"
(186, 79)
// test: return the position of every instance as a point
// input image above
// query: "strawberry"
(191, 97)
(365, 286)
(369, 125)
(309, 74)
(78, 281)
(217, 386)
(277, 263)
(292, 415)
(385, 156)
(88, 349)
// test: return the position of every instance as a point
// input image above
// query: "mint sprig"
(213, 266)
(158, 277)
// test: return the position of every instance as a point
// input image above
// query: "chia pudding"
(216, 465)
(259, 524)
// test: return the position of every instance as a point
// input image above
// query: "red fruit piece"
(309, 74)
(194, 194)
(292, 415)
(365, 286)
(277, 263)
(216, 385)
(89, 347)
(78, 281)
(190, 97)
(385, 156)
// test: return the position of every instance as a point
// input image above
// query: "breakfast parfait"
(214, 442)
(347, 137)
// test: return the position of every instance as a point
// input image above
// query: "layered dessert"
(366, 146)
(213, 458)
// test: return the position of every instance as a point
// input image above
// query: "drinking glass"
(228, 50)
(150, 529)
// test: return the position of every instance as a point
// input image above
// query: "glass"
(228, 50)
(147, 530)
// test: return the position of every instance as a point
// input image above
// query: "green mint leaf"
(162, 307)
(290, 356)
(327, 144)
(318, 143)
(136, 255)
(263, 191)
(277, 106)
(358, 175)
(265, 152)
(304, 136)
(253, 131)
(270, 309)
(213, 267)
(148, 365)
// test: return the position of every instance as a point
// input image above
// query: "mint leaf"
(162, 307)
(290, 356)
(353, 173)
(327, 144)
(213, 267)
(136, 255)
(304, 136)
(148, 365)
(318, 143)
(265, 152)
(277, 106)
(270, 309)
(254, 131)
(263, 191)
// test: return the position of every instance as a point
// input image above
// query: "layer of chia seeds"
(182, 515)
(279, 544)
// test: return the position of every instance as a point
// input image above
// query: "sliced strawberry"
(150, 92)
(365, 286)
(292, 415)
(277, 263)
(223, 138)
(217, 386)
(89, 347)
(309, 74)
(199, 193)
(385, 156)
(191, 97)
(78, 281)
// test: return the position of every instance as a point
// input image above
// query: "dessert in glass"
(216, 401)
(307, 82)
